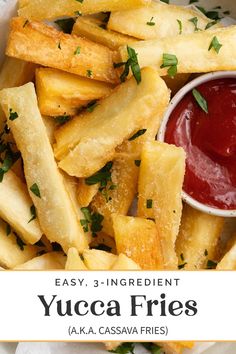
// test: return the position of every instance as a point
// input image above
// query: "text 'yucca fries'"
(83, 150)
(42, 9)
(56, 214)
(61, 51)
(60, 93)
(189, 53)
(158, 20)
(161, 179)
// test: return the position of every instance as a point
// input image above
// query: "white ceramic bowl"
(161, 135)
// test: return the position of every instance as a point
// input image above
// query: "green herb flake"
(124, 348)
(194, 21)
(149, 203)
(180, 26)
(96, 223)
(62, 119)
(35, 189)
(200, 100)
(19, 242)
(211, 24)
(213, 15)
(211, 264)
(13, 115)
(81, 1)
(170, 61)
(137, 162)
(89, 73)
(166, 1)
(132, 63)
(66, 24)
(59, 45)
(215, 44)
(151, 22)
(192, 1)
(138, 134)
(103, 176)
(153, 348)
(91, 106)
(77, 51)
(8, 161)
(33, 213)
(87, 219)
(8, 229)
(181, 266)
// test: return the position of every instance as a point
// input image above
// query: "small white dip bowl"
(161, 134)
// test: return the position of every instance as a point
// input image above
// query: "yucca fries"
(139, 240)
(55, 211)
(198, 239)
(42, 9)
(83, 150)
(12, 251)
(228, 262)
(48, 261)
(160, 185)
(15, 208)
(157, 21)
(98, 260)
(61, 93)
(93, 29)
(125, 263)
(74, 262)
(186, 49)
(61, 51)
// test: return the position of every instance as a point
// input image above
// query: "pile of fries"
(84, 87)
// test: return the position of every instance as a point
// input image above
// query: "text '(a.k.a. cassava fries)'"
(48, 261)
(161, 179)
(92, 28)
(60, 93)
(198, 239)
(83, 150)
(59, 50)
(138, 239)
(15, 208)
(56, 213)
(42, 9)
(159, 20)
(11, 254)
(191, 52)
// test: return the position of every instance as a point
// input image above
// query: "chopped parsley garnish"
(200, 100)
(192, 1)
(170, 61)
(102, 247)
(62, 119)
(153, 348)
(213, 15)
(8, 229)
(66, 24)
(132, 63)
(19, 242)
(35, 189)
(166, 1)
(180, 26)
(103, 176)
(181, 266)
(182, 257)
(9, 159)
(206, 253)
(26, 23)
(194, 21)
(215, 44)
(137, 162)
(33, 213)
(89, 73)
(93, 220)
(124, 348)
(210, 24)
(81, 1)
(149, 203)
(13, 115)
(59, 45)
(151, 22)
(211, 264)
(77, 51)
(139, 133)
(91, 106)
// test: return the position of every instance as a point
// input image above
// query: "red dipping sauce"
(210, 143)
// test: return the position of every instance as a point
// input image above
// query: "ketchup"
(210, 143)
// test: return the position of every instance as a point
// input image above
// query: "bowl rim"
(161, 135)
